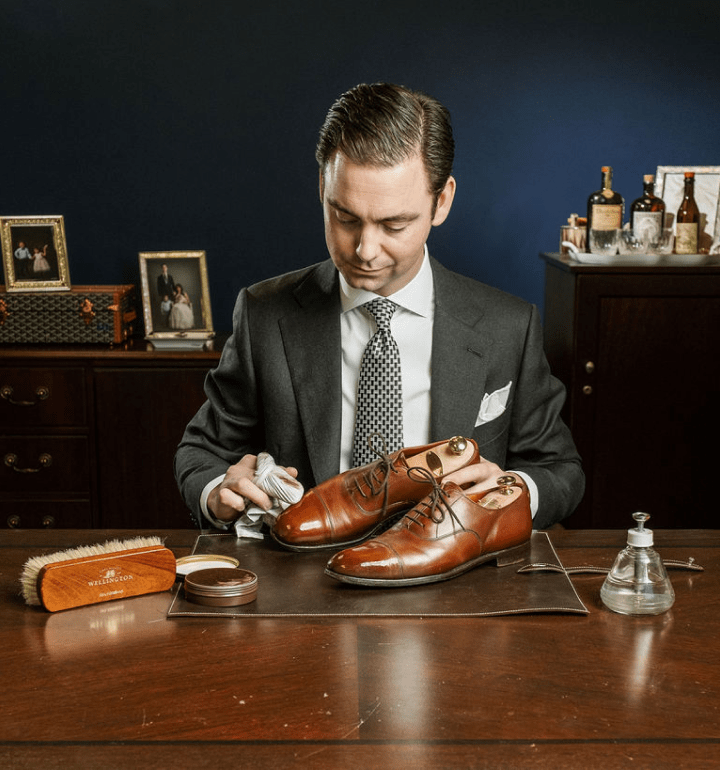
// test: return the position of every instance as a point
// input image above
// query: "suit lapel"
(459, 370)
(311, 336)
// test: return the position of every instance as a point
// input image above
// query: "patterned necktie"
(379, 401)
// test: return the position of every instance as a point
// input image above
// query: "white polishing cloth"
(282, 489)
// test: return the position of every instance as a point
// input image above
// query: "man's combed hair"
(384, 124)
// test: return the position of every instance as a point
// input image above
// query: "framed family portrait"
(176, 298)
(34, 253)
(670, 186)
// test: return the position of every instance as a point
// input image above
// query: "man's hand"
(481, 476)
(233, 494)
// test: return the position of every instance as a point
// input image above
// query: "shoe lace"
(435, 506)
(376, 476)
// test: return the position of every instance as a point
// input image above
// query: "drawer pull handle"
(42, 393)
(11, 459)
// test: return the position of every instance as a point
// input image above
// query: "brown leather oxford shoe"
(446, 534)
(356, 504)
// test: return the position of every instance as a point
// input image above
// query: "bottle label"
(607, 217)
(647, 225)
(686, 238)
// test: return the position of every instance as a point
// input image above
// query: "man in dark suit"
(472, 357)
(165, 284)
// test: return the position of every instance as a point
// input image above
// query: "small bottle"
(638, 583)
(687, 222)
(605, 208)
(647, 213)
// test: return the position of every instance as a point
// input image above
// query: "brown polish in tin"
(221, 587)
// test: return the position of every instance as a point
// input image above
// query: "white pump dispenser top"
(640, 537)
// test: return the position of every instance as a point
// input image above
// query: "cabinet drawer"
(46, 514)
(42, 396)
(40, 465)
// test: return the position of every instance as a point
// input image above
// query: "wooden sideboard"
(638, 348)
(88, 434)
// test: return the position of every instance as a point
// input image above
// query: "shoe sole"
(504, 558)
(377, 530)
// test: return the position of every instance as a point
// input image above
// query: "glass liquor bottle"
(638, 583)
(687, 222)
(605, 207)
(647, 213)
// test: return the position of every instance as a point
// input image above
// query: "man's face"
(377, 220)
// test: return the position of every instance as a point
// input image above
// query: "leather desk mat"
(294, 584)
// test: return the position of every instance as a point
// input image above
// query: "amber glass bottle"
(687, 222)
(647, 213)
(605, 208)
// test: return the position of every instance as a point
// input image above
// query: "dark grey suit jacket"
(277, 386)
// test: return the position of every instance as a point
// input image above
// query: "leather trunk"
(83, 314)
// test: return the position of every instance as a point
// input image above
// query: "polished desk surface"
(118, 685)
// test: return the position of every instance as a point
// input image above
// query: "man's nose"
(368, 246)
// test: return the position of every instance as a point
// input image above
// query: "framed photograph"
(176, 298)
(670, 186)
(34, 253)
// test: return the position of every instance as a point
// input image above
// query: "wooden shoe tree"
(444, 458)
(501, 496)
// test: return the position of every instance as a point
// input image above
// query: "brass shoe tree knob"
(457, 445)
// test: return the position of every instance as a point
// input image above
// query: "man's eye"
(395, 228)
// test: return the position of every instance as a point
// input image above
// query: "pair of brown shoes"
(446, 532)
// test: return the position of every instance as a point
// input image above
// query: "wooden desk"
(119, 685)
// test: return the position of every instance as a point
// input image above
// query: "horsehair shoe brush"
(91, 574)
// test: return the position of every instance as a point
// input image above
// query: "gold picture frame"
(34, 253)
(176, 299)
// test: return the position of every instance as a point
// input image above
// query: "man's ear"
(321, 185)
(444, 202)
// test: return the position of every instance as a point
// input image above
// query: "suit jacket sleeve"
(540, 443)
(225, 427)
(485, 340)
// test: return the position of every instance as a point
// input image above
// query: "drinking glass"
(603, 242)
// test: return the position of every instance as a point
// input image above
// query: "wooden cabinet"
(88, 435)
(638, 348)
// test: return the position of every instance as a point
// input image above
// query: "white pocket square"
(493, 405)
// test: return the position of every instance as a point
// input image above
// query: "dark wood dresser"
(638, 348)
(88, 434)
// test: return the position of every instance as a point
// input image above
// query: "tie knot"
(382, 311)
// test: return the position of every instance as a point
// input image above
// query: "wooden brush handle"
(104, 577)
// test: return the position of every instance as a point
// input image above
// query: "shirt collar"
(417, 296)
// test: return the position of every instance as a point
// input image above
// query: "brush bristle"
(31, 570)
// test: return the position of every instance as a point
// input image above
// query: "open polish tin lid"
(221, 587)
(187, 564)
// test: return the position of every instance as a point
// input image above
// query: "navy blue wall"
(154, 125)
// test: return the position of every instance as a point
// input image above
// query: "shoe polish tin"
(221, 587)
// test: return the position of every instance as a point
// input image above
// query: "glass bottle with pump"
(647, 213)
(605, 207)
(687, 222)
(638, 583)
